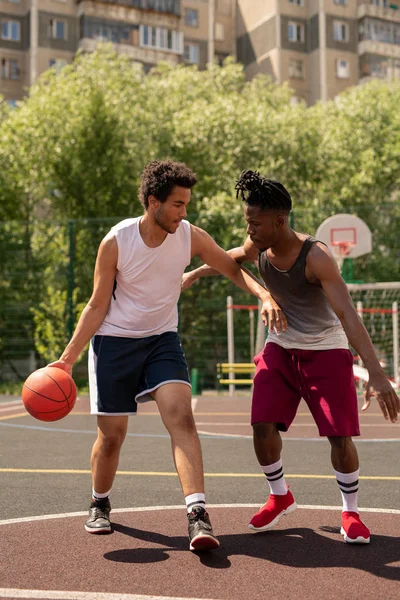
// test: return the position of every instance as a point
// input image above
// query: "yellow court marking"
(173, 474)
(25, 414)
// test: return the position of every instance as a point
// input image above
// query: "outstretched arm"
(322, 266)
(222, 262)
(246, 253)
(96, 309)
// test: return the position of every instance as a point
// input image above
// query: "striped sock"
(100, 498)
(276, 479)
(348, 484)
(195, 500)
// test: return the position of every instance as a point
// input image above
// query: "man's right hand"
(62, 364)
(273, 316)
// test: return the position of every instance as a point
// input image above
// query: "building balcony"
(170, 7)
(373, 66)
(136, 53)
(389, 11)
(380, 48)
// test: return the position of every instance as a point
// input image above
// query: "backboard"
(347, 236)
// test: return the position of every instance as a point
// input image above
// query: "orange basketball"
(49, 394)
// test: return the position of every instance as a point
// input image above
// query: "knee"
(341, 444)
(263, 431)
(112, 442)
(179, 418)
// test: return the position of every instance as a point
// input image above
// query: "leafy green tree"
(71, 156)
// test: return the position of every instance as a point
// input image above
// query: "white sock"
(195, 500)
(276, 480)
(96, 496)
(348, 484)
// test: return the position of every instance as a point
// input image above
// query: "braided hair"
(268, 194)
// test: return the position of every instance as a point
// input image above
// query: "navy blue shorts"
(124, 371)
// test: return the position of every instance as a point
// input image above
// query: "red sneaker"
(269, 514)
(353, 529)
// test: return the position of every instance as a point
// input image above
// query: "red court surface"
(148, 555)
(46, 553)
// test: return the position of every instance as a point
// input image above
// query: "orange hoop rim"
(343, 248)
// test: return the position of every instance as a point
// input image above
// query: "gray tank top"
(305, 304)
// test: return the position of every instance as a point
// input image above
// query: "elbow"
(96, 307)
(239, 258)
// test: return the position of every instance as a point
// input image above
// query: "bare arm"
(246, 253)
(322, 266)
(96, 309)
(222, 262)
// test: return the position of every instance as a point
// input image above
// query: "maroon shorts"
(324, 378)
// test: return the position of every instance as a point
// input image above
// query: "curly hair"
(268, 194)
(159, 178)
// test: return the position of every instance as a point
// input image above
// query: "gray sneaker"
(201, 536)
(99, 518)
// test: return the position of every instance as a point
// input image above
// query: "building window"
(296, 69)
(191, 17)
(57, 29)
(342, 68)
(11, 30)
(9, 68)
(381, 3)
(192, 53)
(219, 32)
(102, 33)
(340, 31)
(160, 38)
(57, 63)
(295, 32)
(341, 2)
(298, 2)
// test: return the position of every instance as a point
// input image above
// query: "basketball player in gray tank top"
(306, 354)
(135, 355)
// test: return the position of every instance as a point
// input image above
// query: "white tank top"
(148, 282)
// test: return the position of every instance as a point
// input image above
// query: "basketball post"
(230, 307)
(231, 341)
(395, 317)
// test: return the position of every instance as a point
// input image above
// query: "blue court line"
(94, 431)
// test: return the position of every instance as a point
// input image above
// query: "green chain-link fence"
(47, 274)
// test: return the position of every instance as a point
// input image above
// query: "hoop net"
(341, 250)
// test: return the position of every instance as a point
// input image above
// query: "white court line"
(9, 402)
(391, 511)
(64, 595)
(292, 439)
(293, 425)
(11, 408)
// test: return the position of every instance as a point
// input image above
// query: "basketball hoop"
(342, 249)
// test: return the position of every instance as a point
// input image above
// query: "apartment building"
(320, 47)
(209, 30)
(38, 34)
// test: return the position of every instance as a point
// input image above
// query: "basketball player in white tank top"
(131, 320)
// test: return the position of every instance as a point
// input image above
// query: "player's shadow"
(297, 547)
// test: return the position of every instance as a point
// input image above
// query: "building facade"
(320, 47)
